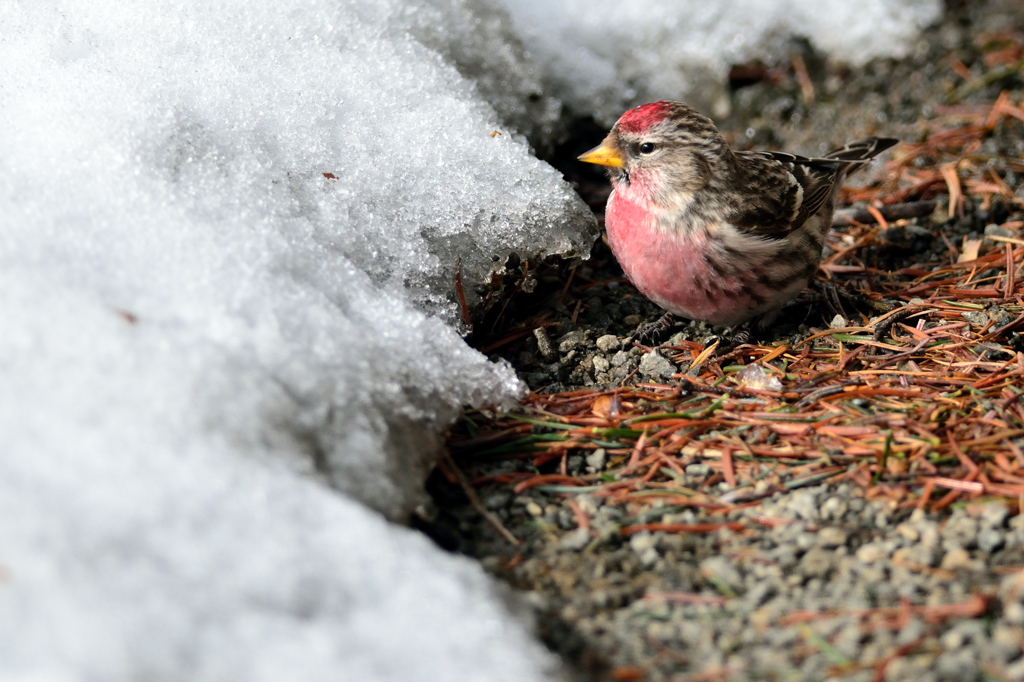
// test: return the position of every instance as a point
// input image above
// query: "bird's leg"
(653, 331)
(732, 339)
(835, 293)
(831, 292)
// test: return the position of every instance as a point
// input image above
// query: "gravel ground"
(814, 583)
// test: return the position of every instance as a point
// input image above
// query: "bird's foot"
(741, 336)
(731, 339)
(654, 332)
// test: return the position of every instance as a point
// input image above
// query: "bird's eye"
(647, 148)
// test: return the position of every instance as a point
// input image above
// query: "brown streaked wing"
(769, 197)
(818, 182)
(822, 174)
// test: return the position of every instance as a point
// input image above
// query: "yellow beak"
(603, 155)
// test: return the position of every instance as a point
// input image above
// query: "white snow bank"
(200, 328)
(175, 165)
(133, 550)
(603, 56)
(478, 38)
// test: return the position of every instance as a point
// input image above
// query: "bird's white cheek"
(652, 187)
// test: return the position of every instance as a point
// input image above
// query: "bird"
(711, 234)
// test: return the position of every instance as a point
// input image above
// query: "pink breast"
(670, 268)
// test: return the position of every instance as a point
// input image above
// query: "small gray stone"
(998, 231)
(833, 509)
(914, 668)
(975, 317)
(618, 373)
(958, 558)
(870, 553)
(908, 531)
(914, 629)
(1014, 612)
(620, 358)
(957, 665)
(601, 363)
(916, 555)
(574, 541)
(641, 542)
(804, 505)
(585, 366)
(654, 365)
(832, 537)
(953, 640)
(676, 339)
(607, 517)
(645, 547)
(973, 630)
(990, 539)
(536, 378)
(759, 594)
(929, 531)
(805, 541)
(960, 531)
(589, 503)
(1007, 641)
(723, 569)
(847, 642)
(697, 470)
(994, 515)
(816, 563)
(600, 598)
(685, 516)
(572, 340)
(597, 459)
(543, 342)
(608, 342)
(499, 499)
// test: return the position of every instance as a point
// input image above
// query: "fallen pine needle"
(475, 500)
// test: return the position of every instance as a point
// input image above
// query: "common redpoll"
(712, 234)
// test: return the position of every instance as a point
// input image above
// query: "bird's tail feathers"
(857, 153)
(842, 160)
(862, 150)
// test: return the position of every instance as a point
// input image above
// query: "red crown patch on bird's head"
(641, 118)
